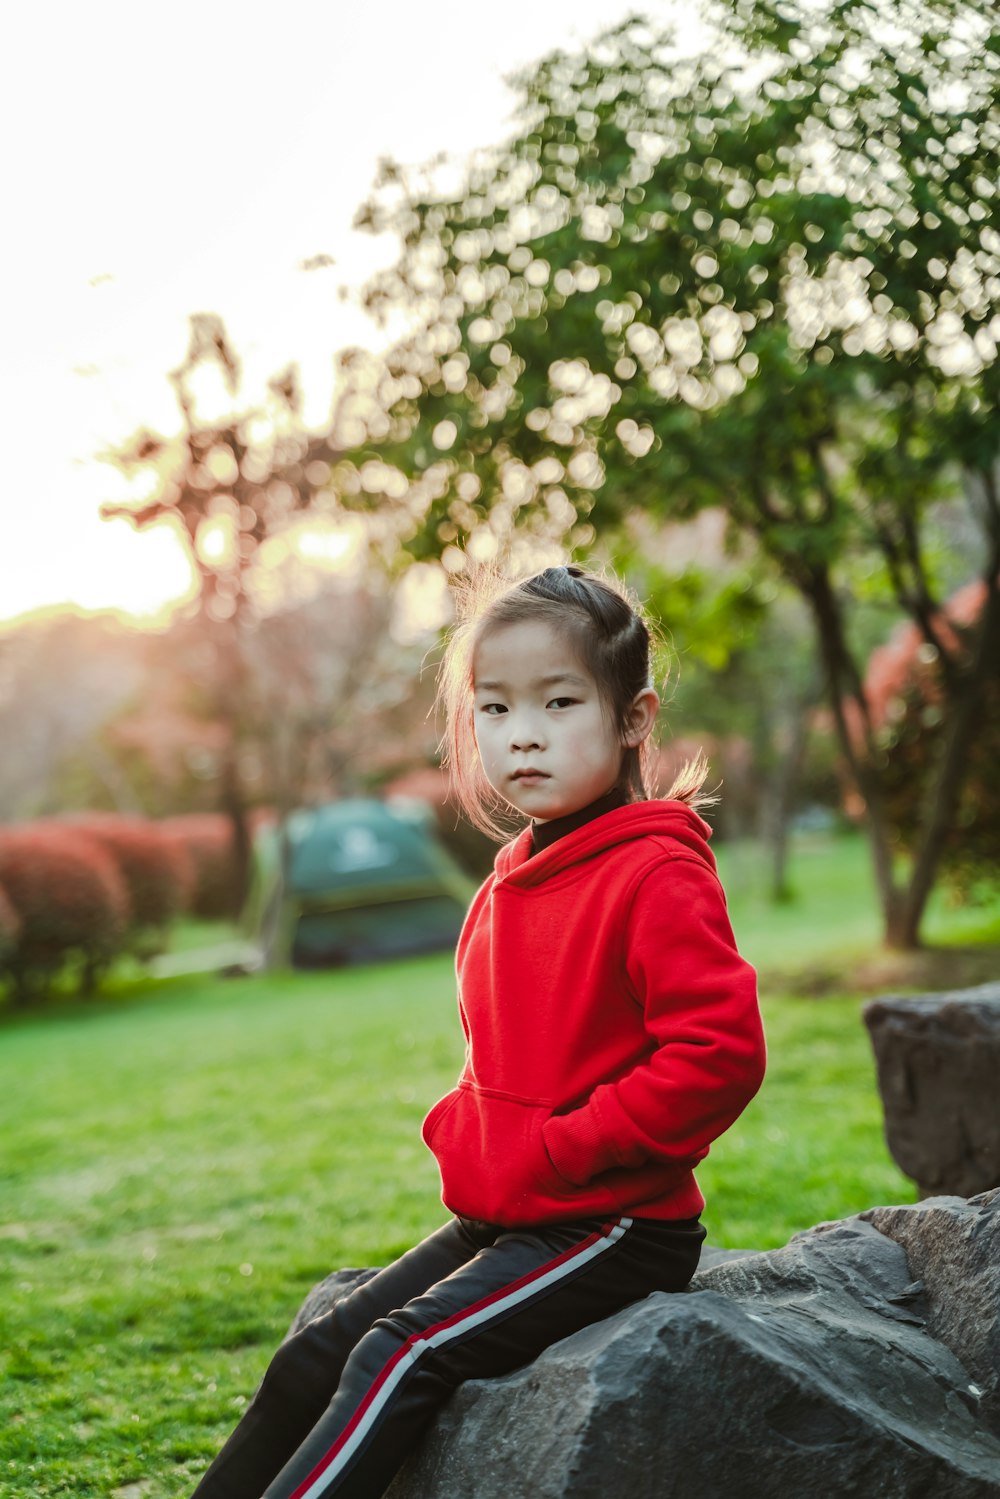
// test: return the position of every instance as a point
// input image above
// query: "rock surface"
(953, 1246)
(326, 1293)
(862, 1358)
(938, 1061)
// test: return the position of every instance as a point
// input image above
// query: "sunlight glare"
(145, 575)
(423, 603)
(296, 564)
(92, 368)
(216, 541)
(330, 545)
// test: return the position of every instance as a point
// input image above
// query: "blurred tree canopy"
(226, 487)
(764, 279)
(291, 662)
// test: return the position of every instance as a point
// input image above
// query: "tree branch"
(947, 782)
(914, 599)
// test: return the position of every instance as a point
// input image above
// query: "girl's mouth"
(532, 776)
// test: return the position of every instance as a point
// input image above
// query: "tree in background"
(240, 490)
(337, 700)
(904, 686)
(61, 679)
(98, 716)
(764, 279)
(766, 692)
(224, 487)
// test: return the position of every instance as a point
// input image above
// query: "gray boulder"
(953, 1246)
(325, 1294)
(862, 1358)
(938, 1063)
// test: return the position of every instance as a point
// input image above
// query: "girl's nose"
(524, 734)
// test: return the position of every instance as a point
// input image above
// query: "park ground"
(184, 1159)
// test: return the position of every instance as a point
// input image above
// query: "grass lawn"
(832, 924)
(183, 1161)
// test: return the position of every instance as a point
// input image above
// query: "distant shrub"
(157, 871)
(70, 904)
(206, 840)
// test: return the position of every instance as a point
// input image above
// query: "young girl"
(612, 1033)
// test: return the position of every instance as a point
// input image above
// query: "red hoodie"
(612, 1028)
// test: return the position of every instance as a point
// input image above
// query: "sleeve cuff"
(576, 1144)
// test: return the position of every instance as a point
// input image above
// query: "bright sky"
(168, 159)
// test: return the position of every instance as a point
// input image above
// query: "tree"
(903, 686)
(230, 486)
(332, 694)
(61, 680)
(766, 692)
(763, 279)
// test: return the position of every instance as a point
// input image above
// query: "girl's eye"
(493, 708)
(561, 702)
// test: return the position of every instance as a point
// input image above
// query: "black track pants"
(347, 1398)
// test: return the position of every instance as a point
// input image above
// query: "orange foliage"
(157, 870)
(69, 899)
(205, 840)
(901, 664)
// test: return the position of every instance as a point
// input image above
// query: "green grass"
(180, 1171)
(177, 1172)
(182, 1161)
(189, 936)
(833, 918)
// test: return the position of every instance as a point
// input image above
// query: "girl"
(612, 1034)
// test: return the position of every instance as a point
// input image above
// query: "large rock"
(938, 1062)
(953, 1246)
(326, 1294)
(862, 1358)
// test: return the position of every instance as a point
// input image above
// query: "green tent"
(355, 881)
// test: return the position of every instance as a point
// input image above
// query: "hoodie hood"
(517, 866)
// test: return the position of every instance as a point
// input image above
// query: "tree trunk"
(230, 698)
(901, 923)
(234, 806)
(780, 799)
(903, 906)
(844, 684)
(946, 783)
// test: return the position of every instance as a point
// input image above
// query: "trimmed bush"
(70, 903)
(206, 840)
(157, 871)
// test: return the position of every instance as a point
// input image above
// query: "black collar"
(544, 834)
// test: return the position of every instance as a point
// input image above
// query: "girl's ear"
(641, 717)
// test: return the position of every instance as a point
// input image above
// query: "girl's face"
(545, 742)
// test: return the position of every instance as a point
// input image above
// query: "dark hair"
(611, 637)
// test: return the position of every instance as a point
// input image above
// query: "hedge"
(158, 871)
(70, 904)
(76, 892)
(206, 839)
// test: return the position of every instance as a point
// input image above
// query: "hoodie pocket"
(493, 1161)
(434, 1116)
